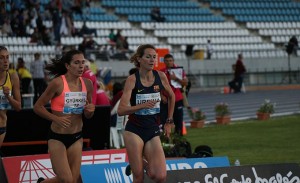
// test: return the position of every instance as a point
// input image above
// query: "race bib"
(74, 102)
(143, 98)
(4, 104)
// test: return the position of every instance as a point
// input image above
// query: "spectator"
(28, 28)
(12, 69)
(94, 67)
(56, 20)
(105, 51)
(14, 22)
(176, 81)
(37, 68)
(87, 46)
(39, 23)
(58, 49)
(2, 12)
(66, 27)
(85, 31)
(33, 16)
(239, 72)
(125, 44)
(126, 48)
(6, 28)
(36, 37)
(25, 76)
(120, 50)
(46, 39)
(10, 91)
(156, 16)
(87, 73)
(47, 13)
(209, 49)
(293, 44)
(82, 46)
(119, 41)
(112, 37)
(22, 20)
(102, 98)
(50, 34)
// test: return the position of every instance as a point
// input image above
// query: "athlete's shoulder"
(58, 81)
(161, 74)
(13, 75)
(88, 83)
(86, 80)
(131, 78)
(130, 82)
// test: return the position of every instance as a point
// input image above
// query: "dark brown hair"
(168, 56)
(3, 48)
(139, 53)
(57, 67)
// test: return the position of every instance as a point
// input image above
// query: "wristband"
(170, 121)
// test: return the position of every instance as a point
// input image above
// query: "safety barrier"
(39, 142)
(25, 127)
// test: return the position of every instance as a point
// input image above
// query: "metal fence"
(251, 78)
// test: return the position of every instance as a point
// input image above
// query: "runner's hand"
(168, 129)
(149, 105)
(89, 107)
(6, 91)
(63, 121)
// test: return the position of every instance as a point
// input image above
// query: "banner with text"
(116, 172)
(27, 169)
(273, 173)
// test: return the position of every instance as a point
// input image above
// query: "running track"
(244, 105)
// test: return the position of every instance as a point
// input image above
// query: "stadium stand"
(256, 28)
